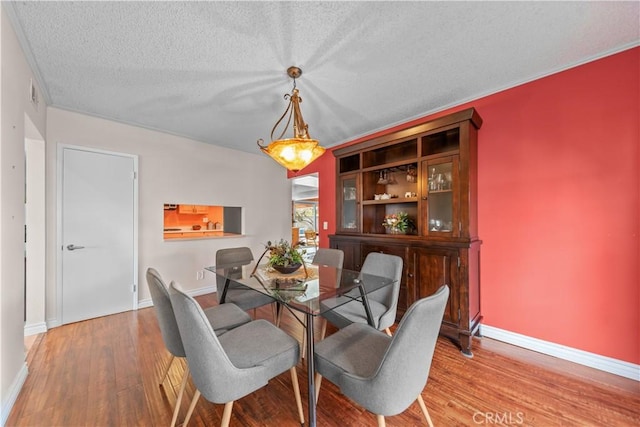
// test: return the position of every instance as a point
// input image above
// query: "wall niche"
(182, 221)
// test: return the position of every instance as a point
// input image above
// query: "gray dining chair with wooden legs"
(328, 257)
(383, 302)
(222, 318)
(235, 364)
(245, 298)
(384, 374)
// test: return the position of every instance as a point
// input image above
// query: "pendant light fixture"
(297, 152)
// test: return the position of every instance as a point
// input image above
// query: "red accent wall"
(559, 206)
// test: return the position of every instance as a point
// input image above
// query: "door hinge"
(458, 262)
(134, 175)
(458, 314)
(134, 287)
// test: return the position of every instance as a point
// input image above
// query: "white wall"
(174, 170)
(15, 76)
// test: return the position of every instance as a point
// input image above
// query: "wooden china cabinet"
(428, 172)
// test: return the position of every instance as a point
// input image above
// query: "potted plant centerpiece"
(398, 223)
(284, 257)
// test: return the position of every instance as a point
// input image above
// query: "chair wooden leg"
(388, 331)
(424, 410)
(323, 329)
(183, 385)
(226, 414)
(317, 381)
(196, 396)
(381, 422)
(296, 392)
(166, 370)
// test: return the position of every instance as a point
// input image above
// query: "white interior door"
(98, 221)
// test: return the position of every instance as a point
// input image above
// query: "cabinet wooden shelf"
(437, 162)
(388, 201)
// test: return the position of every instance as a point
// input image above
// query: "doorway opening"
(34, 233)
(305, 214)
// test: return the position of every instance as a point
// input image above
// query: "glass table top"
(305, 289)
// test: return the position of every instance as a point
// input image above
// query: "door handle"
(73, 247)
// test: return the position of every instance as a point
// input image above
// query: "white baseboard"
(12, 394)
(592, 360)
(147, 302)
(144, 303)
(36, 328)
(53, 323)
(201, 291)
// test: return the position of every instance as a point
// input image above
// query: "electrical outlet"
(205, 219)
(325, 225)
(199, 274)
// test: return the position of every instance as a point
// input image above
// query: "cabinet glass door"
(440, 177)
(349, 201)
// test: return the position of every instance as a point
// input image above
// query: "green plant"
(398, 222)
(284, 254)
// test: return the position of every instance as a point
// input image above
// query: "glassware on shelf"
(432, 180)
(383, 180)
(448, 180)
(391, 179)
(435, 225)
(349, 193)
(411, 174)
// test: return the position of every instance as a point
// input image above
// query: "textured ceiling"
(215, 71)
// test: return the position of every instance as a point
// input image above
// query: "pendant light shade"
(298, 152)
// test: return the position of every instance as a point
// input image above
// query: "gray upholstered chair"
(331, 258)
(222, 318)
(384, 374)
(383, 302)
(238, 362)
(244, 298)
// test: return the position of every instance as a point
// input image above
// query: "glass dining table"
(312, 290)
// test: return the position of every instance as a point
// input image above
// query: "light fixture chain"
(288, 110)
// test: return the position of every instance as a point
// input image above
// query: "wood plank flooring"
(105, 371)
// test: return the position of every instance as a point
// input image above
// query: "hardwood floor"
(105, 371)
